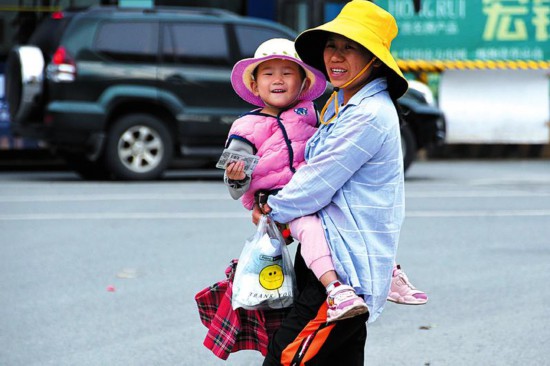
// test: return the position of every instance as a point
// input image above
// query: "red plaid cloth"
(234, 330)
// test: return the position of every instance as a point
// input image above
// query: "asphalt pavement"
(105, 273)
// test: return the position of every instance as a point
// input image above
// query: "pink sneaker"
(344, 303)
(403, 292)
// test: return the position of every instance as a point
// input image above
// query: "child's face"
(278, 82)
(344, 59)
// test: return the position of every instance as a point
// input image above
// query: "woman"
(353, 179)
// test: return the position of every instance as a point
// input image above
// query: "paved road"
(476, 238)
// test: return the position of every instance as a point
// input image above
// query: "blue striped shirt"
(354, 179)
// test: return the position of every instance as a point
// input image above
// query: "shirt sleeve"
(238, 188)
(354, 139)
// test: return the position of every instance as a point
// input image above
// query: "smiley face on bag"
(271, 277)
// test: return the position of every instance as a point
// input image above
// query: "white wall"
(496, 106)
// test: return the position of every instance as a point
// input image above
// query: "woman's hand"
(235, 170)
(256, 214)
(265, 208)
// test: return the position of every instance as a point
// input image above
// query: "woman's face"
(344, 59)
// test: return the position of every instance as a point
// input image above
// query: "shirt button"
(312, 144)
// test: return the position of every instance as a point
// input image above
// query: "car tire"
(86, 168)
(408, 146)
(138, 147)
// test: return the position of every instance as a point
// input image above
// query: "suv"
(120, 92)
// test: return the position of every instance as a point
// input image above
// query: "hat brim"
(310, 46)
(241, 79)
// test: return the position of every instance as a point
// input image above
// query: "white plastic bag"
(264, 278)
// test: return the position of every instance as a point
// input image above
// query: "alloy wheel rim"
(140, 149)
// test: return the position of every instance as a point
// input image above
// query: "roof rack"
(222, 13)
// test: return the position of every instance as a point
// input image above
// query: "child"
(283, 87)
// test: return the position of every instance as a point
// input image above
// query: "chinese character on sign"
(541, 19)
(452, 28)
(405, 28)
(504, 20)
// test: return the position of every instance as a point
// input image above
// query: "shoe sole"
(403, 302)
(353, 312)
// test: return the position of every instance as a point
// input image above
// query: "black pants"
(304, 337)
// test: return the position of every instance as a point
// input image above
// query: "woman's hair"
(381, 71)
(399, 110)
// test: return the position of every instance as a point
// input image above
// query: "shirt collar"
(370, 89)
(373, 87)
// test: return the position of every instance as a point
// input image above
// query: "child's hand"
(235, 170)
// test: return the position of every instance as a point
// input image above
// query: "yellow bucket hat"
(365, 23)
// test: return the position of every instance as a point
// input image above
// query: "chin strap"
(334, 95)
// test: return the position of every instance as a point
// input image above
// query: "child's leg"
(342, 300)
(309, 231)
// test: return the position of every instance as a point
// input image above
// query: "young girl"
(283, 87)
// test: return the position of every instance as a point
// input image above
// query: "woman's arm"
(354, 139)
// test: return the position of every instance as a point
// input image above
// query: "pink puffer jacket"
(279, 142)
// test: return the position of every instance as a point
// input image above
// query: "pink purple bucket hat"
(276, 48)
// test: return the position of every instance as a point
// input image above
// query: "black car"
(119, 93)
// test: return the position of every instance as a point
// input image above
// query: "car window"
(195, 44)
(250, 37)
(128, 41)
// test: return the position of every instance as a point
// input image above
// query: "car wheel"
(408, 146)
(87, 169)
(139, 147)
